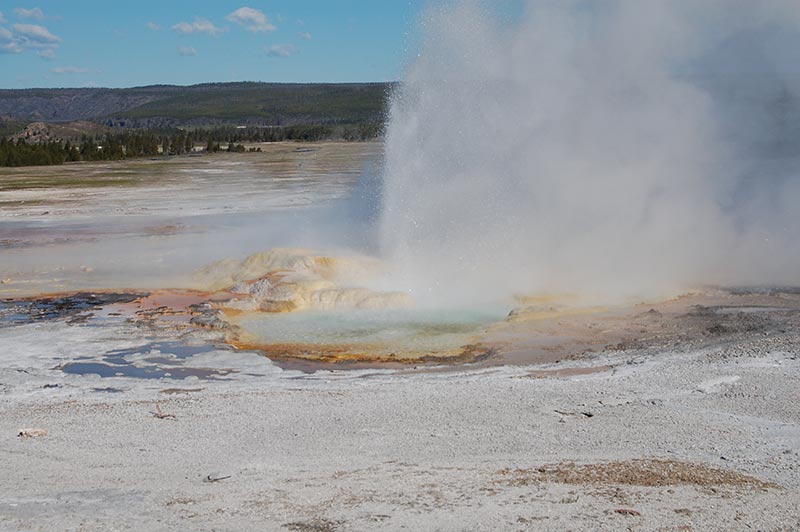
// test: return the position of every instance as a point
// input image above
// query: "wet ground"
(175, 334)
(151, 223)
(118, 244)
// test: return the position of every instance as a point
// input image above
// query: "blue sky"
(55, 43)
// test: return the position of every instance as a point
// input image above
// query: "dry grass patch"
(314, 525)
(644, 472)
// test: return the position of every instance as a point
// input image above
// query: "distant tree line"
(149, 143)
(111, 147)
(302, 133)
(19, 153)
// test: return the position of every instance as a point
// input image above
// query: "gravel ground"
(694, 440)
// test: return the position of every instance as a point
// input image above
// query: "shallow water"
(406, 332)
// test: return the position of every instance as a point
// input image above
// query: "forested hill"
(163, 106)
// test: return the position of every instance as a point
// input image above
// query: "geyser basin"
(302, 304)
(368, 335)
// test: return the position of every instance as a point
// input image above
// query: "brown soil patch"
(365, 354)
(646, 473)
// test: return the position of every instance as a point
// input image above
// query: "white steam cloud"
(616, 148)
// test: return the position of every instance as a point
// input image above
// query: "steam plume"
(620, 148)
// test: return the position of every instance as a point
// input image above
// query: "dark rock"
(77, 308)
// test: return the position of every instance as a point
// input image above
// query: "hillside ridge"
(205, 104)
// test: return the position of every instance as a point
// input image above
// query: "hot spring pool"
(367, 333)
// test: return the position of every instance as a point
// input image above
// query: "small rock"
(32, 433)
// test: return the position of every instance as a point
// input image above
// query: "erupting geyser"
(608, 148)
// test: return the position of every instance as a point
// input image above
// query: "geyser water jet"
(618, 148)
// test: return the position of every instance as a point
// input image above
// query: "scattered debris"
(626, 511)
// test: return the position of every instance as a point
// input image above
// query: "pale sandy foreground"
(461, 450)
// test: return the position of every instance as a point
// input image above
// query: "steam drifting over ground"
(609, 148)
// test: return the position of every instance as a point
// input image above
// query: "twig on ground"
(584, 414)
(161, 415)
(214, 478)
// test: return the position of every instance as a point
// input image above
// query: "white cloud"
(8, 44)
(183, 27)
(251, 19)
(69, 70)
(187, 51)
(281, 50)
(2, 20)
(305, 35)
(200, 25)
(36, 35)
(35, 13)
(24, 37)
(153, 26)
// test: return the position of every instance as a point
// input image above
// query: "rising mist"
(616, 148)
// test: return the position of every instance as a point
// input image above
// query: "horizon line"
(206, 83)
